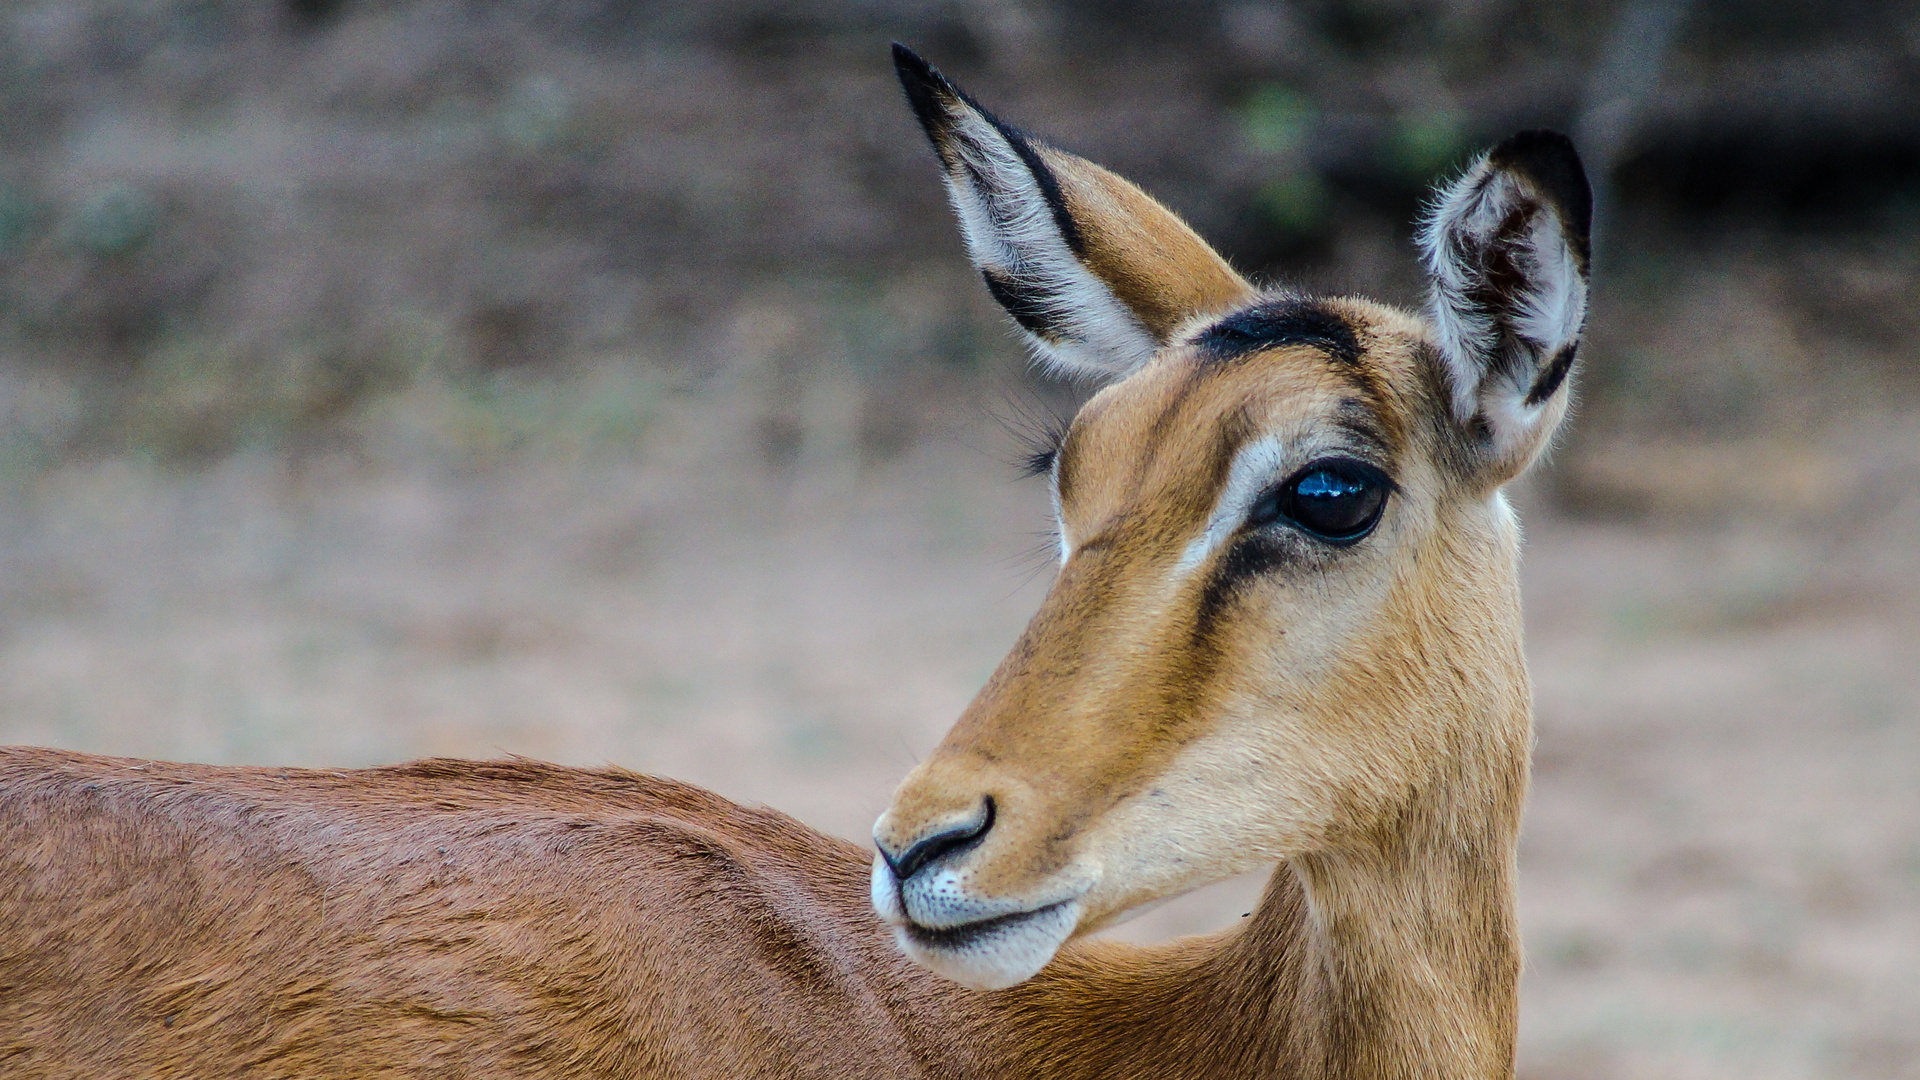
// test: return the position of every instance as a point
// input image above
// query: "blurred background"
(604, 381)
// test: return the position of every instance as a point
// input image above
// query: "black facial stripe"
(1248, 558)
(1281, 322)
(1260, 548)
(1553, 375)
(1027, 305)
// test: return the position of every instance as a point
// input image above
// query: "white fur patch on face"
(995, 957)
(1011, 234)
(987, 944)
(1256, 467)
(1059, 516)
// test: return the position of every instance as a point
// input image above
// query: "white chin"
(993, 954)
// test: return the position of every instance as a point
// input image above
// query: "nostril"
(931, 849)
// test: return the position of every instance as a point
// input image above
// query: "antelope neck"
(1412, 968)
(1399, 961)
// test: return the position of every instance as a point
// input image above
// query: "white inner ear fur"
(1546, 313)
(1010, 231)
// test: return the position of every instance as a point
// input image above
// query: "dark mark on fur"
(1249, 557)
(1043, 176)
(1027, 306)
(1549, 162)
(924, 87)
(1292, 321)
(1362, 426)
(1554, 374)
(931, 95)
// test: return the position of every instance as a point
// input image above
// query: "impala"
(1285, 628)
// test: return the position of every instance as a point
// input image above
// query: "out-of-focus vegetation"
(229, 224)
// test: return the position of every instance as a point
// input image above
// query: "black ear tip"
(907, 62)
(1548, 159)
(928, 91)
(921, 79)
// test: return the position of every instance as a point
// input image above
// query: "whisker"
(1037, 426)
(1033, 560)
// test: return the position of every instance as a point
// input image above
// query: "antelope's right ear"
(1507, 248)
(1096, 272)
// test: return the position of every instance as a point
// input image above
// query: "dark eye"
(1336, 500)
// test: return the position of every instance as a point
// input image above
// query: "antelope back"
(1286, 618)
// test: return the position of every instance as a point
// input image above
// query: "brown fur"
(1189, 703)
(1170, 716)
(1418, 741)
(442, 918)
(1151, 260)
(518, 919)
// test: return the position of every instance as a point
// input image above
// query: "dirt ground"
(1721, 875)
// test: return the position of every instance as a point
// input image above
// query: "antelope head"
(1286, 621)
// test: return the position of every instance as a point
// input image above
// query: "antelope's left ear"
(1507, 247)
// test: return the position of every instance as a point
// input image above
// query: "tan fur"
(1410, 748)
(513, 919)
(1151, 260)
(1360, 712)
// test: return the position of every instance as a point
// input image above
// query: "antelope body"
(1285, 628)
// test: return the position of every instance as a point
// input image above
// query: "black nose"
(930, 849)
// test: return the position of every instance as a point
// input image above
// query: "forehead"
(1339, 371)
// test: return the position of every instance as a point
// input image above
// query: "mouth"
(971, 935)
(981, 942)
(992, 953)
